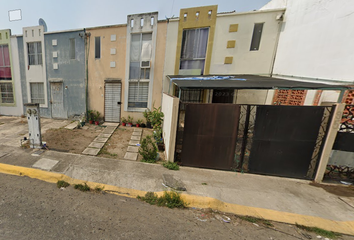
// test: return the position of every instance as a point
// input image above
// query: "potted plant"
(147, 116)
(139, 122)
(129, 121)
(123, 120)
(90, 116)
(97, 117)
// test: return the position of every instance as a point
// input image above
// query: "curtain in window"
(138, 94)
(37, 93)
(5, 67)
(146, 47)
(7, 95)
(194, 43)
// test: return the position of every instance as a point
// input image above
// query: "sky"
(73, 14)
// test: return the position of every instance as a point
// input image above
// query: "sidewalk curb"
(345, 227)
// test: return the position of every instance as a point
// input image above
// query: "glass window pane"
(2, 62)
(256, 37)
(72, 48)
(39, 47)
(135, 48)
(97, 47)
(134, 70)
(6, 55)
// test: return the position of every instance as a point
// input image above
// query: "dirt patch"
(343, 191)
(73, 141)
(117, 145)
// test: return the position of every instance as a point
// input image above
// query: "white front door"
(112, 102)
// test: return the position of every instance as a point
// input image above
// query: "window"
(194, 46)
(140, 50)
(37, 93)
(97, 47)
(72, 48)
(5, 66)
(7, 95)
(139, 70)
(256, 38)
(138, 94)
(34, 53)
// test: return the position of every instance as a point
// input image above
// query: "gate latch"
(119, 102)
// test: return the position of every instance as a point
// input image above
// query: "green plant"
(170, 199)
(156, 118)
(130, 119)
(63, 184)
(319, 231)
(123, 120)
(139, 121)
(147, 115)
(158, 135)
(90, 114)
(148, 150)
(171, 165)
(97, 116)
(98, 189)
(82, 187)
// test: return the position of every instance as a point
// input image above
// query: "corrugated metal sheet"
(112, 102)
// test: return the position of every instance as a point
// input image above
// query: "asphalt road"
(33, 209)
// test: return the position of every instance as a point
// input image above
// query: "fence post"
(329, 141)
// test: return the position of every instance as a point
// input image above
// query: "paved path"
(133, 148)
(95, 147)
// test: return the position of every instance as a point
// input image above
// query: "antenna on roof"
(41, 22)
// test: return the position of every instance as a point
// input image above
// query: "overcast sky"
(72, 14)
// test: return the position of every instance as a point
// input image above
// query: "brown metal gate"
(210, 135)
(285, 139)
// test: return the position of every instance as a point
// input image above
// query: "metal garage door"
(112, 101)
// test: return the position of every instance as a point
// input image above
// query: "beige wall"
(244, 61)
(99, 69)
(159, 64)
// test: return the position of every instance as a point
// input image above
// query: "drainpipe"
(87, 48)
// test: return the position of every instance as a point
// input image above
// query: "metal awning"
(247, 82)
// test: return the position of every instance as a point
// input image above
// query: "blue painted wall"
(71, 71)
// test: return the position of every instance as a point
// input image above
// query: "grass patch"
(149, 160)
(98, 189)
(171, 165)
(256, 220)
(82, 187)
(104, 151)
(168, 199)
(204, 183)
(63, 184)
(319, 231)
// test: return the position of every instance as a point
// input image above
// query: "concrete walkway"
(95, 147)
(133, 148)
(273, 198)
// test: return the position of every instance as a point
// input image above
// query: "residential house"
(52, 67)
(10, 88)
(204, 42)
(125, 66)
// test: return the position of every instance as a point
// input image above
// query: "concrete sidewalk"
(279, 199)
